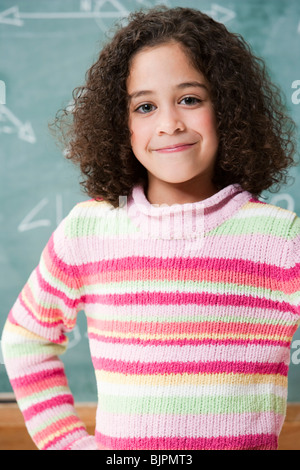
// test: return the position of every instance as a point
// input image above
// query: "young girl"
(189, 283)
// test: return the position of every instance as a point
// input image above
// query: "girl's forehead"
(167, 60)
(169, 47)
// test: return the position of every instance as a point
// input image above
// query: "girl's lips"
(175, 148)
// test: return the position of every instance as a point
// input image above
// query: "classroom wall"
(46, 46)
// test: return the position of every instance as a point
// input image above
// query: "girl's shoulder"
(271, 215)
(87, 218)
(89, 209)
(92, 205)
(280, 224)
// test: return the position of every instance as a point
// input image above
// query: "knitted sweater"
(190, 309)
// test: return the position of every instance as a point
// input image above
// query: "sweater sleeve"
(292, 271)
(34, 336)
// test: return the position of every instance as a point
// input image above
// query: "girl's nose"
(169, 122)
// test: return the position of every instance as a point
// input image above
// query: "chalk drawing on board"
(9, 124)
(221, 14)
(287, 198)
(118, 11)
(13, 16)
(85, 5)
(29, 224)
(149, 3)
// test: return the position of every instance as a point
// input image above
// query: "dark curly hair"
(256, 142)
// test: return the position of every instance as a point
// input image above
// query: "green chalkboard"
(46, 46)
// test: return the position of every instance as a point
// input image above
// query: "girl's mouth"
(175, 148)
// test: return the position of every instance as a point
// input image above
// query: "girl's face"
(172, 120)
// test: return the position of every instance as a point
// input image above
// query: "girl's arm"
(293, 264)
(33, 337)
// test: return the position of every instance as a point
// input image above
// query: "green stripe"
(106, 226)
(35, 397)
(116, 224)
(192, 405)
(295, 229)
(185, 286)
(41, 302)
(264, 224)
(118, 315)
(15, 351)
(53, 418)
(55, 282)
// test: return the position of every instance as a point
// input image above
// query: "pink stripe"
(209, 367)
(209, 275)
(27, 294)
(185, 298)
(180, 342)
(46, 287)
(30, 379)
(78, 430)
(61, 266)
(63, 271)
(59, 424)
(253, 199)
(252, 269)
(192, 328)
(43, 385)
(50, 326)
(133, 263)
(124, 425)
(252, 441)
(47, 404)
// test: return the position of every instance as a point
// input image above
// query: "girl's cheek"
(207, 122)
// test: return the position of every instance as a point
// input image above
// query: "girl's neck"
(161, 192)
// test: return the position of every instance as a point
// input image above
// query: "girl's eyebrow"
(138, 94)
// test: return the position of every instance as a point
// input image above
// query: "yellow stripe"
(43, 317)
(61, 431)
(190, 379)
(21, 331)
(92, 203)
(33, 310)
(109, 334)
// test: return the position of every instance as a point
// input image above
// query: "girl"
(190, 285)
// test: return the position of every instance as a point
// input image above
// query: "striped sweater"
(190, 309)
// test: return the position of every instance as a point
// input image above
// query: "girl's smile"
(172, 124)
(175, 148)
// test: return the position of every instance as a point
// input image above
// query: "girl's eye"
(145, 108)
(190, 100)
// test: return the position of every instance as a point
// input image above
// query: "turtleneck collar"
(184, 221)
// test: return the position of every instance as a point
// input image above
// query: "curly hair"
(256, 135)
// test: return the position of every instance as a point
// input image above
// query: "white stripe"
(112, 389)
(189, 312)
(203, 353)
(269, 211)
